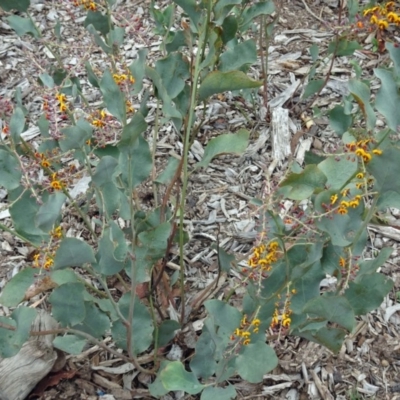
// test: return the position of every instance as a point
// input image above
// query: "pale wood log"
(280, 135)
(20, 374)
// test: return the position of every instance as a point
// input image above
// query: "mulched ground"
(367, 366)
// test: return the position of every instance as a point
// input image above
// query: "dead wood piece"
(20, 374)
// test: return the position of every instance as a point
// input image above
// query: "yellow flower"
(256, 322)
(246, 335)
(383, 24)
(367, 157)
(392, 17)
(345, 192)
(360, 175)
(56, 185)
(131, 79)
(377, 152)
(273, 246)
(342, 262)
(63, 107)
(286, 320)
(359, 185)
(98, 123)
(342, 210)
(61, 97)
(373, 20)
(49, 263)
(344, 204)
(354, 203)
(360, 152)
(246, 342)
(45, 163)
(334, 198)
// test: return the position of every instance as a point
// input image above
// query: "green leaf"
(107, 263)
(175, 377)
(239, 56)
(168, 172)
(23, 212)
(14, 291)
(214, 393)
(104, 171)
(219, 82)
(361, 94)
(131, 133)
(50, 211)
(314, 52)
(64, 276)
(93, 80)
(137, 69)
(46, 80)
(338, 170)
(10, 171)
(96, 323)
(229, 28)
(222, 8)
(203, 362)
(339, 121)
(169, 108)
(137, 164)
(385, 170)
(166, 332)
(303, 185)
(142, 326)
(225, 260)
(76, 136)
(260, 8)
(255, 360)
(388, 98)
(343, 47)
(394, 52)
(23, 316)
(98, 40)
(371, 266)
(23, 26)
(235, 143)
(17, 125)
(368, 292)
(225, 316)
(68, 306)
(113, 97)
(73, 253)
(333, 309)
(173, 71)
(19, 5)
(191, 8)
(313, 86)
(7, 346)
(98, 20)
(116, 36)
(332, 338)
(71, 344)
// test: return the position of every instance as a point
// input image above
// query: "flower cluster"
(362, 149)
(121, 78)
(281, 320)
(345, 204)
(246, 329)
(62, 102)
(383, 15)
(45, 258)
(55, 183)
(86, 4)
(263, 256)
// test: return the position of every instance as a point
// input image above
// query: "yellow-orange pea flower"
(45, 163)
(360, 175)
(342, 210)
(56, 185)
(377, 152)
(383, 24)
(334, 198)
(373, 20)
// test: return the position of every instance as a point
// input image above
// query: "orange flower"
(56, 185)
